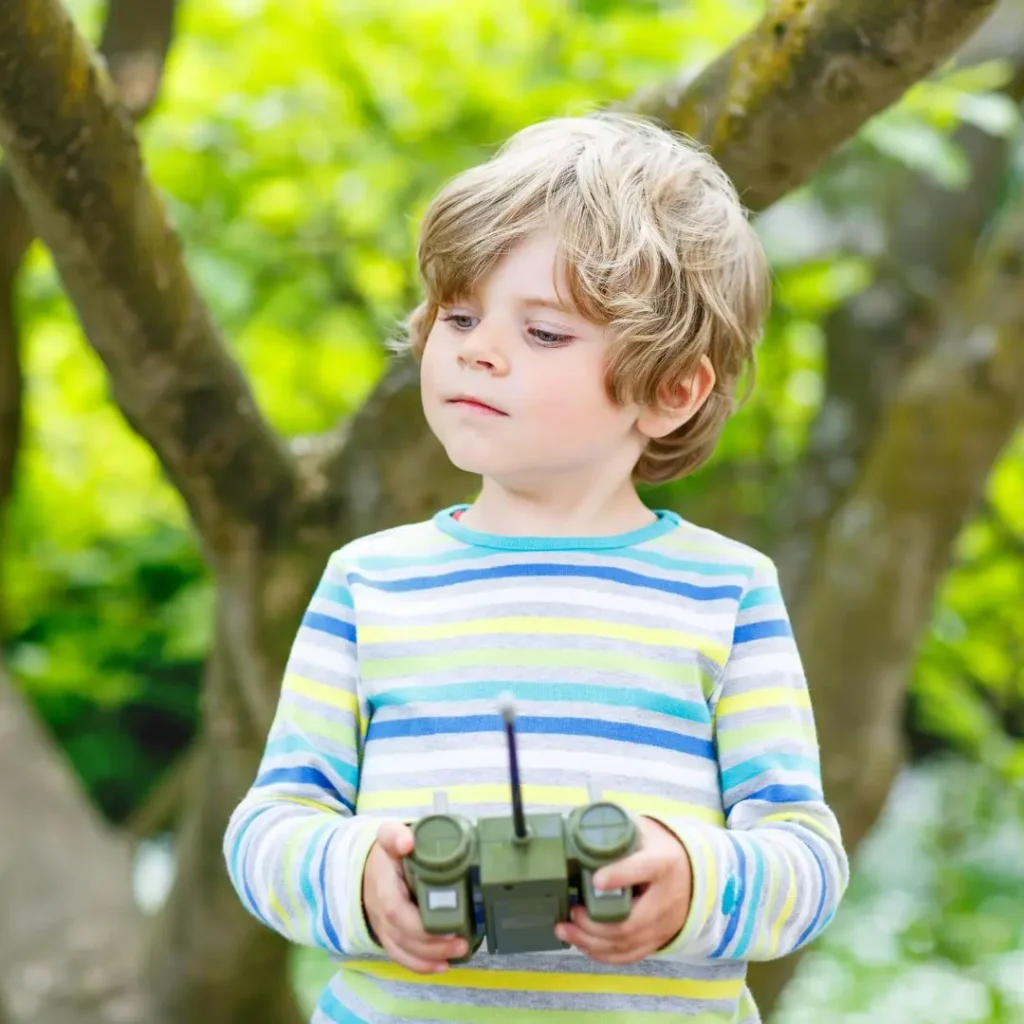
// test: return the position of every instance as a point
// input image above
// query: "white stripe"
(401, 770)
(719, 616)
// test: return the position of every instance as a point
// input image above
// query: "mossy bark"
(77, 167)
(889, 543)
(775, 105)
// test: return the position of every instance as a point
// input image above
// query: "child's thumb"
(395, 839)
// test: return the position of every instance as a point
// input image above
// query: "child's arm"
(771, 881)
(295, 851)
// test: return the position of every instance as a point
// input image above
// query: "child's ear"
(678, 404)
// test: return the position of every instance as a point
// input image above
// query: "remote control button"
(441, 842)
(604, 831)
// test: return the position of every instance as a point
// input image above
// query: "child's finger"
(403, 924)
(605, 948)
(419, 964)
(395, 839)
(636, 869)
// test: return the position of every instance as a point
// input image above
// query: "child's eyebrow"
(546, 303)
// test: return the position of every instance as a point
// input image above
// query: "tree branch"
(77, 167)
(135, 42)
(888, 547)
(775, 105)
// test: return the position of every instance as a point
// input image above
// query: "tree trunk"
(888, 546)
(71, 936)
(267, 516)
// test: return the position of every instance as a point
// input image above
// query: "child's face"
(515, 389)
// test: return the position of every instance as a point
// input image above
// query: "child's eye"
(459, 321)
(548, 338)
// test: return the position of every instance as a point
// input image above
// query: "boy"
(593, 293)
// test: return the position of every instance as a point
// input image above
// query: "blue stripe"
(748, 770)
(337, 592)
(372, 563)
(809, 931)
(236, 867)
(329, 624)
(306, 884)
(329, 930)
(753, 904)
(617, 731)
(331, 1007)
(303, 776)
(760, 596)
(299, 744)
(741, 897)
(761, 631)
(577, 693)
(569, 571)
(785, 794)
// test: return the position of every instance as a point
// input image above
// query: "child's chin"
(471, 460)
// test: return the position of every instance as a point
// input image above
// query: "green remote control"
(511, 879)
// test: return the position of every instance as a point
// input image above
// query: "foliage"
(296, 146)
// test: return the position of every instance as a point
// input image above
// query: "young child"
(593, 294)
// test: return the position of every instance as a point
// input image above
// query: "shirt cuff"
(703, 844)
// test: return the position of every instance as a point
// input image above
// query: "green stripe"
(678, 672)
(730, 739)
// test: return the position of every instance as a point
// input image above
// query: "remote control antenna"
(506, 704)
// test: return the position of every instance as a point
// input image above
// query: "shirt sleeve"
(771, 880)
(294, 848)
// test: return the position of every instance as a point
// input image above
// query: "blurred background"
(295, 145)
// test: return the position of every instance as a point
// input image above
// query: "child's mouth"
(475, 405)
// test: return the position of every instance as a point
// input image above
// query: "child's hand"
(393, 915)
(662, 867)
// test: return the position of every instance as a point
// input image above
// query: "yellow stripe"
(306, 803)
(787, 907)
(823, 830)
(275, 904)
(322, 693)
(772, 697)
(657, 806)
(552, 981)
(567, 797)
(542, 625)
(711, 893)
(373, 995)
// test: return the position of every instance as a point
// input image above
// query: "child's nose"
(482, 351)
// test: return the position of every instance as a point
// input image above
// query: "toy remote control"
(512, 878)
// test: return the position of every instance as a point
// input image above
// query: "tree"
(267, 513)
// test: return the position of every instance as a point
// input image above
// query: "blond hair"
(655, 246)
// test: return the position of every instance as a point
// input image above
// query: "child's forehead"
(534, 272)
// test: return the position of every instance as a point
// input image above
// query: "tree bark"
(71, 937)
(930, 246)
(775, 105)
(77, 167)
(888, 546)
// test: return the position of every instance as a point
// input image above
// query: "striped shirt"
(658, 665)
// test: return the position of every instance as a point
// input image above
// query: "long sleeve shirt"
(657, 665)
